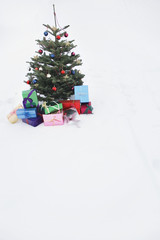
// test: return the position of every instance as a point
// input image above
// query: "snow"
(100, 178)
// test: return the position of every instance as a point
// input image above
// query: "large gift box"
(86, 108)
(81, 93)
(30, 99)
(52, 107)
(33, 121)
(71, 103)
(12, 116)
(53, 119)
(26, 113)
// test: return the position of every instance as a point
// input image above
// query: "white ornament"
(40, 68)
(48, 75)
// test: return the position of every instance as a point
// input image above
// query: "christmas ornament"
(28, 82)
(78, 61)
(73, 72)
(67, 44)
(58, 37)
(52, 55)
(54, 88)
(36, 57)
(40, 68)
(54, 28)
(34, 81)
(40, 51)
(66, 34)
(36, 68)
(62, 72)
(73, 54)
(48, 75)
(65, 77)
(45, 33)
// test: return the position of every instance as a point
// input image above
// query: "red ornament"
(28, 82)
(62, 72)
(73, 53)
(40, 51)
(58, 37)
(66, 34)
(54, 88)
(36, 68)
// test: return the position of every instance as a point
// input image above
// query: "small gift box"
(71, 103)
(52, 107)
(86, 108)
(26, 113)
(33, 121)
(12, 116)
(30, 99)
(53, 119)
(81, 93)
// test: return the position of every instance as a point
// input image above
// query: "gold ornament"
(54, 28)
(36, 57)
(67, 43)
(78, 62)
(65, 77)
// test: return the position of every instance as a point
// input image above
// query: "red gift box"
(86, 108)
(71, 103)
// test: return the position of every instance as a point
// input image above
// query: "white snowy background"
(99, 180)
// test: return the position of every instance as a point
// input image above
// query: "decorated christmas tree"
(53, 78)
(52, 72)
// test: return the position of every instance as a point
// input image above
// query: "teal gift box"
(30, 99)
(81, 93)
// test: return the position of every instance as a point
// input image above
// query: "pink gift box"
(53, 119)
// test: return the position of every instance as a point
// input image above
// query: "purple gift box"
(33, 121)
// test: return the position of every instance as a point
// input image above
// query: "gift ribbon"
(47, 107)
(88, 108)
(28, 99)
(27, 114)
(54, 119)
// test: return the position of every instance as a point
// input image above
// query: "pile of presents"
(56, 113)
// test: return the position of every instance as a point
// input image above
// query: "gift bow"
(88, 108)
(47, 107)
(54, 119)
(28, 99)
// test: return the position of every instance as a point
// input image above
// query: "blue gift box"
(33, 121)
(26, 113)
(81, 93)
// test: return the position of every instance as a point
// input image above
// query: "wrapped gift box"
(69, 114)
(26, 113)
(71, 103)
(86, 108)
(34, 121)
(53, 119)
(12, 116)
(53, 107)
(81, 93)
(30, 99)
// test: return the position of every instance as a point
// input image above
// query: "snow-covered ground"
(99, 179)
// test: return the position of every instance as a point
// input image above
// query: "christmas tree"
(52, 72)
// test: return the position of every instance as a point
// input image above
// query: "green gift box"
(53, 107)
(30, 99)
